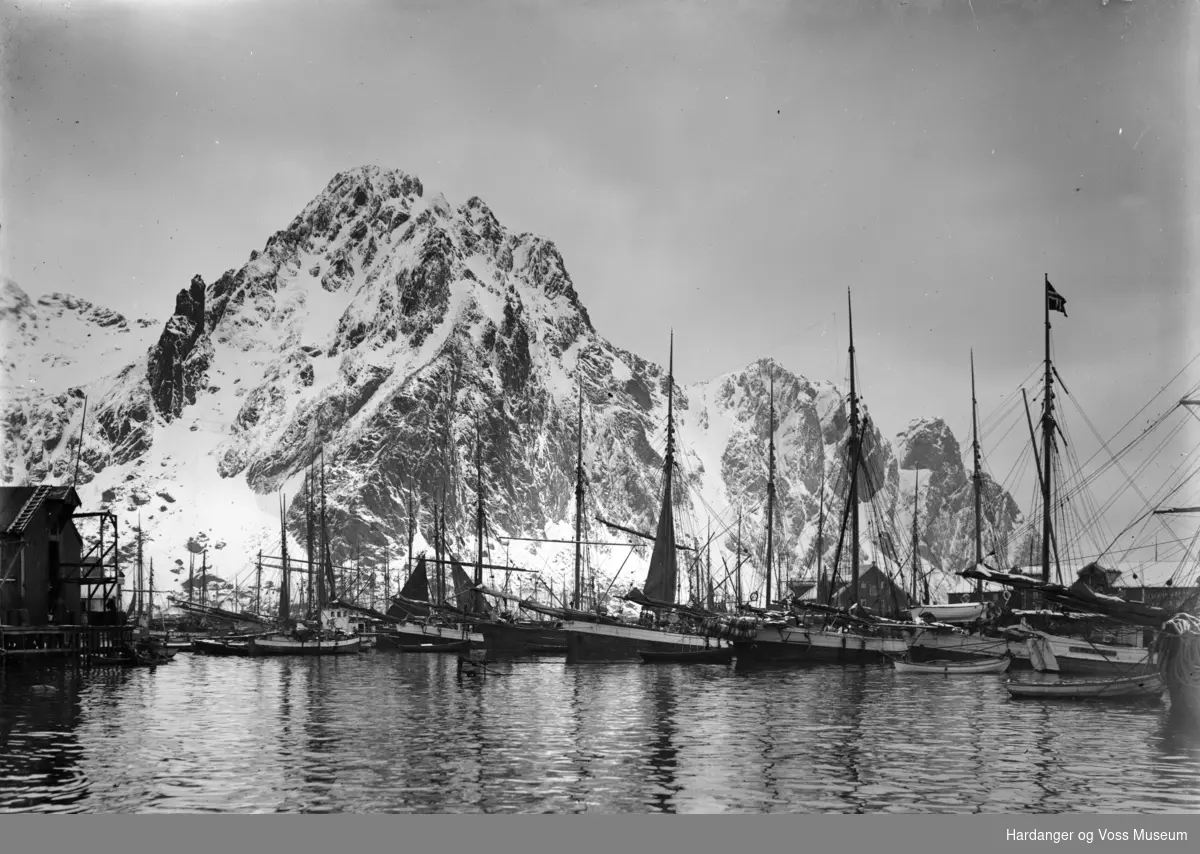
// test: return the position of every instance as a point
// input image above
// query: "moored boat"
(419, 634)
(459, 646)
(1144, 686)
(847, 634)
(220, 646)
(962, 612)
(606, 641)
(953, 668)
(712, 655)
(281, 645)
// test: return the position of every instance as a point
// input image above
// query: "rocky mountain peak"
(387, 332)
(927, 444)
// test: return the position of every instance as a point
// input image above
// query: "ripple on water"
(393, 733)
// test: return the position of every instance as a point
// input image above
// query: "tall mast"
(258, 584)
(309, 552)
(150, 607)
(410, 529)
(577, 599)
(821, 594)
(285, 598)
(771, 495)
(854, 450)
(916, 550)
(441, 551)
(204, 577)
(324, 594)
(1047, 441)
(708, 568)
(387, 579)
(977, 477)
(737, 564)
(141, 580)
(662, 579)
(477, 596)
(191, 576)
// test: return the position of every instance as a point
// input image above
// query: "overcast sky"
(725, 169)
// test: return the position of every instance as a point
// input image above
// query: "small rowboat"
(715, 655)
(953, 668)
(460, 646)
(1144, 686)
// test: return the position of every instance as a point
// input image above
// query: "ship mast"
(1047, 443)
(577, 599)
(479, 517)
(410, 530)
(662, 579)
(770, 495)
(285, 598)
(916, 550)
(977, 478)
(854, 450)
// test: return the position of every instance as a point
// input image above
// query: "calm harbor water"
(387, 732)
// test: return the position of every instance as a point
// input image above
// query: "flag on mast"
(1054, 300)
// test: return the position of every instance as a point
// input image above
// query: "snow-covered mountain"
(400, 337)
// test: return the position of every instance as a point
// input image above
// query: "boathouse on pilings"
(59, 590)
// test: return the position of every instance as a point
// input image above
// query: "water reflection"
(39, 751)
(388, 732)
(663, 692)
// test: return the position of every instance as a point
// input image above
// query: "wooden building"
(57, 594)
(876, 592)
(41, 550)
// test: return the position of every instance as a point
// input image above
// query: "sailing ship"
(1031, 645)
(817, 632)
(418, 621)
(940, 632)
(961, 612)
(295, 638)
(607, 639)
(545, 637)
(1173, 624)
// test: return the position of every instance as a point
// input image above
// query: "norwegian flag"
(1054, 300)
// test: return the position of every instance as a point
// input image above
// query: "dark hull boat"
(712, 655)
(523, 638)
(785, 644)
(418, 634)
(610, 640)
(606, 642)
(219, 646)
(457, 647)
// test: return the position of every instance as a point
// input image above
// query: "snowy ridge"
(395, 333)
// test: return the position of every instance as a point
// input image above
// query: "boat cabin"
(345, 620)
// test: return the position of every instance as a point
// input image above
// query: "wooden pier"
(33, 643)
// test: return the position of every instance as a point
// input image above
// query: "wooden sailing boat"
(428, 620)
(294, 639)
(847, 636)
(961, 612)
(541, 637)
(612, 640)
(938, 634)
(1029, 645)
